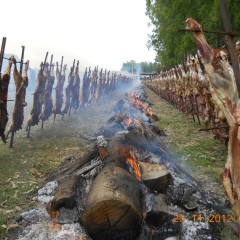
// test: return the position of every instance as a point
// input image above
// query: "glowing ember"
(54, 225)
(127, 121)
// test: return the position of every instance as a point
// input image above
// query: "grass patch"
(23, 168)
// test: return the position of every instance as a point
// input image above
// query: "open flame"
(139, 105)
(128, 156)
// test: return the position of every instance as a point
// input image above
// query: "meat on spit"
(4, 83)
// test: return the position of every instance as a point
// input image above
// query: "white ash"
(148, 200)
(49, 189)
(101, 142)
(43, 231)
(192, 230)
(46, 194)
(33, 215)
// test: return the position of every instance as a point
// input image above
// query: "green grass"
(23, 168)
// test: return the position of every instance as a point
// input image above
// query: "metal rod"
(16, 61)
(233, 34)
(213, 128)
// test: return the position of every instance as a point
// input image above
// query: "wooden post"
(61, 66)
(2, 52)
(45, 60)
(22, 57)
(11, 140)
(229, 43)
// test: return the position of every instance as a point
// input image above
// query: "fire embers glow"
(128, 155)
(54, 225)
(146, 110)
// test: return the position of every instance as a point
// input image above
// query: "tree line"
(167, 17)
(142, 67)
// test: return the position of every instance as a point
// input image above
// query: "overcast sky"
(96, 32)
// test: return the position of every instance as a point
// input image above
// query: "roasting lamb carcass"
(68, 91)
(21, 83)
(224, 93)
(37, 98)
(75, 89)
(4, 83)
(47, 105)
(59, 91)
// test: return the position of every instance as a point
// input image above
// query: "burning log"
(114, 205)
(4, 83)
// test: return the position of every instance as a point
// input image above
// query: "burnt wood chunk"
(103, 152)
(159, 212)
(65, 195)
(113, 208)
(155, 176)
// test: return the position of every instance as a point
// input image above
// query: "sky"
(95, 32)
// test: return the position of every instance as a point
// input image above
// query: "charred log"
(114, 205)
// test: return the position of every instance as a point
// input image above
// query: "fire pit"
(126, 186)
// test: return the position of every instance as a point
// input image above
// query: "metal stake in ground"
(21, 67)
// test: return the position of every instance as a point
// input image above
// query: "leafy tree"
(142, 67)
(168, 16)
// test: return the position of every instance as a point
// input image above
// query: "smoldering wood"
(159, 212)
(114, 205)
(65, 195)
(155, 176)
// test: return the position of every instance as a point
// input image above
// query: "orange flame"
(54, 225)
(127, 155)
(135, 167)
